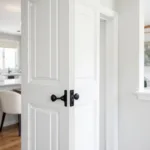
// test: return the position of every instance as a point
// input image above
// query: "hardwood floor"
(9, 139)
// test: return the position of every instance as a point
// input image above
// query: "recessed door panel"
(44, 125)
(43, 40)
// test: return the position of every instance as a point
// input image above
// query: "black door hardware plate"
(62, 98)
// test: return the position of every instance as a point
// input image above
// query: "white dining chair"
(10, 104)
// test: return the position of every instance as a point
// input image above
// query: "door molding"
(111, 79)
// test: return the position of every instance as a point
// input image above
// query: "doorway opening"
(108, 81)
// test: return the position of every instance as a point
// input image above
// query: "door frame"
(111, 79)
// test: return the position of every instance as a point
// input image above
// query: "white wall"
(134, 115)
(147, 37)
(146, 11)
(10, 37)
(109, 3)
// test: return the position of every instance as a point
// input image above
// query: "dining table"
(10, 84)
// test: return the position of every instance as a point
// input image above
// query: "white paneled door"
(60, 57)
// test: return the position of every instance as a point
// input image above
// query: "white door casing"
(110, 80)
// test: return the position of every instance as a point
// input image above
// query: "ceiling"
(10, 16)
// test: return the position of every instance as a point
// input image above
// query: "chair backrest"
(10, 102)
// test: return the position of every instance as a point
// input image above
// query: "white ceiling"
(147, 12)
(10, 16)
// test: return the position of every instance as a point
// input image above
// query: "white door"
(86, 77)
(45, 72)
(59, 52)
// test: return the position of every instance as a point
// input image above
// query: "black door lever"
(62, 98)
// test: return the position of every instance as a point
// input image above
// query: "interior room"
(10, 74)
(74, 74)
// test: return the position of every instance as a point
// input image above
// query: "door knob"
(73, 97)
(53, 98)
(62, 98)
(76, 96)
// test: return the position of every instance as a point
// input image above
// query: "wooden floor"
(9, 139)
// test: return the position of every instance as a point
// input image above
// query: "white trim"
(107, 12)
(143, 95)
(141, 48)
(111, 80)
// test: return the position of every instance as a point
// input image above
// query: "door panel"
(58, 55)
(45, 71)
(86, 78)
(84, 43)
(43, 40)
(37, 131)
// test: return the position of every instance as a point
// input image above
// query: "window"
(1, 58)
(146, 59)
(8, 58)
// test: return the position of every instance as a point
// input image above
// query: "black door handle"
(62, 98)
(73, 97)
(76, 96)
